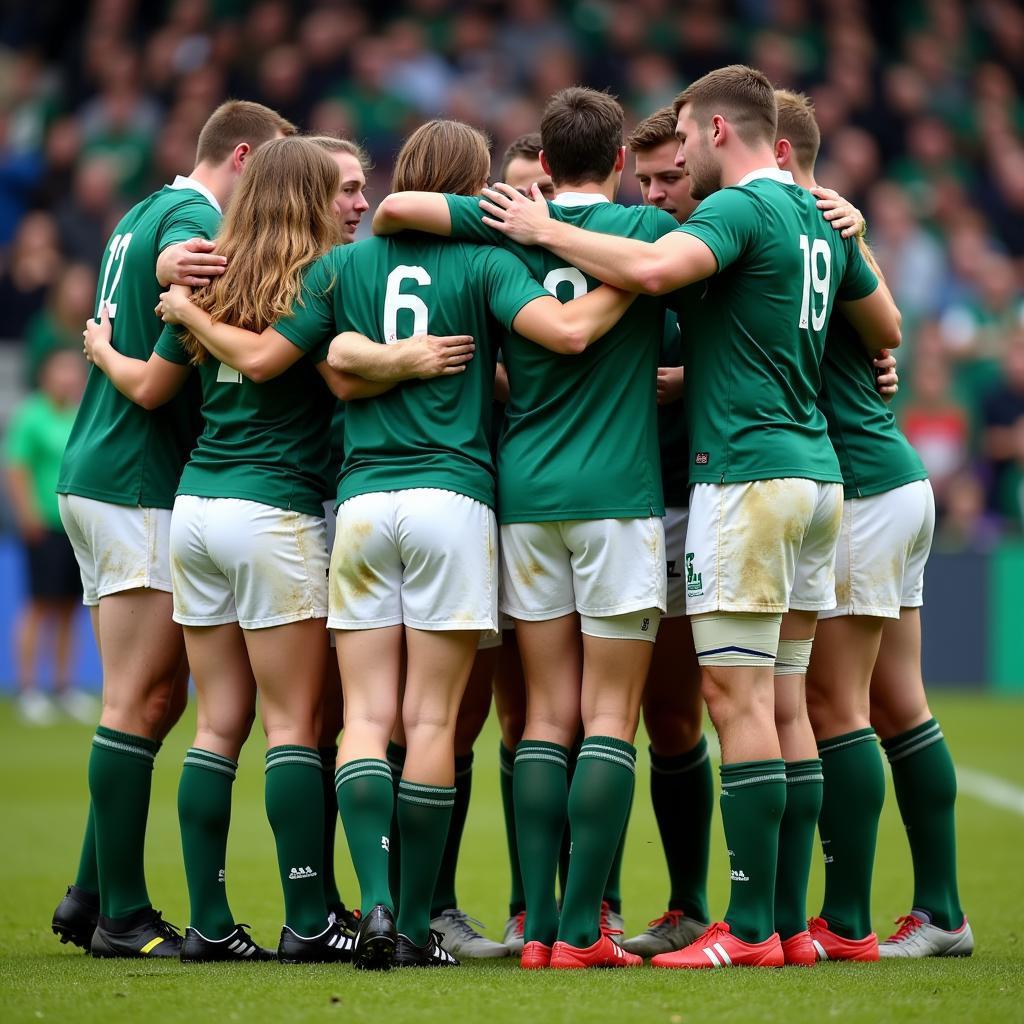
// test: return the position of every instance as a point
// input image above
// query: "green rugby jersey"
(757, 329)
(673, 442)
(421, 433)
(581, 432)
(268, 442)
(119, 452)
(874, 456)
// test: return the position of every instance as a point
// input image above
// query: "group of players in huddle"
(678, 413)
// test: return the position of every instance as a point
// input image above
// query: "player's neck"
(805, 179)
(215, 179)
(605, 188)
(743, 160)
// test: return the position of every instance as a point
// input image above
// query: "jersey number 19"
(815, 253)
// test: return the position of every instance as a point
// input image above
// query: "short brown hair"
(653, 131)
(335, 145)
(581, 131)
(235, 122)
(798, 124)
(443, 156)
(743, 95)
(526, 147)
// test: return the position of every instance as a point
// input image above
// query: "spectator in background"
(29, 269)
(85, 216)
(966, 526)
(36, 439)
(59, 324)
(1003, 418)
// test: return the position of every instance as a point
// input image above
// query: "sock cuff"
(196, 757)
(610, 749)
(277, 757)
(681, 763)
(541, 750)
(361, 768)
(752, 773)
(847, 739)
(463, 764)
(396, 757)
(125, 743)
(506, 759)
(913, 740)
(328, 757)
(808, 770)
(426, 796)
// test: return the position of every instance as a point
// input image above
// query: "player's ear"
(783, 151)
(718, 130)
(544, 162)
(238, 157)
(620, 160)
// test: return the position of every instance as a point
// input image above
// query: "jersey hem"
(354, 491)
(650, 511)
(871, 490)
(111, 498)
(314, 508)
(768, 474)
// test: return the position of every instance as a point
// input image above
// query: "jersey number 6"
(394, 301)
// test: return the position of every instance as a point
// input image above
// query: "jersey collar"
(181, 181)
(579, 199)
(772, 173)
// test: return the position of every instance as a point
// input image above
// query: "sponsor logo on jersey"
(297, 873)
(385, 844)
(701, 459)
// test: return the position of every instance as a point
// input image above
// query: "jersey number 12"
(815, 252)
(115, 255)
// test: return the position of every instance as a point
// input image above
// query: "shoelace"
(713, 932)
(908, 924)
(606, 926)
(670, 919)
(464, 923)
(171, 931)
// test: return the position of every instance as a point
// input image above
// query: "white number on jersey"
(394, 300)
(228, 374)
(570, 274)
(115, 254)
(819, 282)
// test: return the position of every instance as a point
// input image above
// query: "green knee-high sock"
(444, 891)
(599, 800)
(848, 825)
(424, 815)
(88, 878)
(925, 782)
(682, 794)
(506, 761)
(120, 778)
(204, 815)
(541, 798)
(294, 798)
(396, 761)
(366, 801)
(613, 887)
(796, 845)
(328, 756)
(753, 799)
(566, 848)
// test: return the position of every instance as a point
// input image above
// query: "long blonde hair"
(279, 221)
(443, 156)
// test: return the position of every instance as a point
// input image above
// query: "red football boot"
(799, 950)
(718, 947)
(535, 956)
(834, 947)
(603, 953)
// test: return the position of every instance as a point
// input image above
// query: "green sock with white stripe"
(506, 764)
(366, 800)
(753, 800)
(120, 779)
(424, 814)
(294, 799)
(444, 890)
(848, 825)
(541, 794)
(396, 759)
(796, 845)
(204, 814)
(88, 877)
(599, 801)
(925, 782)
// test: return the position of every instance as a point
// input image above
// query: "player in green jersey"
(765, 507)
(116, 487)
(865, 670)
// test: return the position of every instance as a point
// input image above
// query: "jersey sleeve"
(510, 286)
(310, 325)
(169, 346)
(726, 222)
(467, 226)
(189, 220)
(859, 280)
(662, 223)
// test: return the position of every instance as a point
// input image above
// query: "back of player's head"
(443, 156)
(235, 122)
(581, 131)
(742, 95)
(526, 147)
(798, 124)
(653, 131)
(332, 144)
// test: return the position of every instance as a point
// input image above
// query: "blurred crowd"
(921, 106)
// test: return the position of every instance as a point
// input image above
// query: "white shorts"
(241, 561)
(597, 567)
(883, 546)
(762, 546)
(118, 547)
(424, 557)
(675, 560)
(488, 641)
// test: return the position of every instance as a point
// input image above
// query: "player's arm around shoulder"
(363, 361)
(187, 254)
(866, 302)
(413, 211)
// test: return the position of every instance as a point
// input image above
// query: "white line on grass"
(991, 789)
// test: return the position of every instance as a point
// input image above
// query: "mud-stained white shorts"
(762, 546)
(424, 557)
(118, 547)
(241, 561)
(883, 547)
(597, 567)
(675, 521)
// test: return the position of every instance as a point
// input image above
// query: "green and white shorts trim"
(118, 547)
(884, 544)
(234, 560)
(762, 546)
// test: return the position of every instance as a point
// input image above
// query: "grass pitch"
(44, 793)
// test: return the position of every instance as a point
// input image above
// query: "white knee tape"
(793, 658)
(736, 638)
(640, 625)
